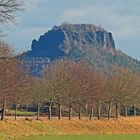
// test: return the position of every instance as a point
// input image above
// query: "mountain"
(77, 42)
(59, 41)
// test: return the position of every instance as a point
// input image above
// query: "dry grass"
(13, 129)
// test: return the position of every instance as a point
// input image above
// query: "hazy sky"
(121, 17)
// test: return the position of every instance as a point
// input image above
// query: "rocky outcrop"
(61, 39)
(86, 42)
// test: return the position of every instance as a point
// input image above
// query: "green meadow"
(85, 137)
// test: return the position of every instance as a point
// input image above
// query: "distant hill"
(77, 42)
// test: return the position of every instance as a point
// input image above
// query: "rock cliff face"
(61, 39)
(77, 42)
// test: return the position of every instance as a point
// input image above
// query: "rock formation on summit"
(61, 39)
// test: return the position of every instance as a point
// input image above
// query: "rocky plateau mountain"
(87, 42)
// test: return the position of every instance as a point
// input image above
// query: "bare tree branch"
(8, 10)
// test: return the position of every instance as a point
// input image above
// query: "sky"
(121, 17)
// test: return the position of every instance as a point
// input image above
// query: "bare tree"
(122, 89)
(23, 91)
(8, 9)
(58, 77)
(71, 83)
(39, 93)
(6, 64)
(13, 78)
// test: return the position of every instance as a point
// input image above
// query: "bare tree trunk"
(91, 114)
(70, 112)
(50, 110)
(134, 111)
(3, 109)
(125, 110)
(79, 113)
(59, 111)
(109, 110)
(26, 110)
(117, 110)
(38, 112)
(99, 111)
(15, 112)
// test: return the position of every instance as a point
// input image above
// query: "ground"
(21, 128)
(85, 137)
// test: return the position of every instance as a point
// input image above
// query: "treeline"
(68, 87)
(79, 86)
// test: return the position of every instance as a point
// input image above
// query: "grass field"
(85, 137)
(107, 129)
(21, 113)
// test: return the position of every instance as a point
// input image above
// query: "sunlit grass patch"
(85, 137)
